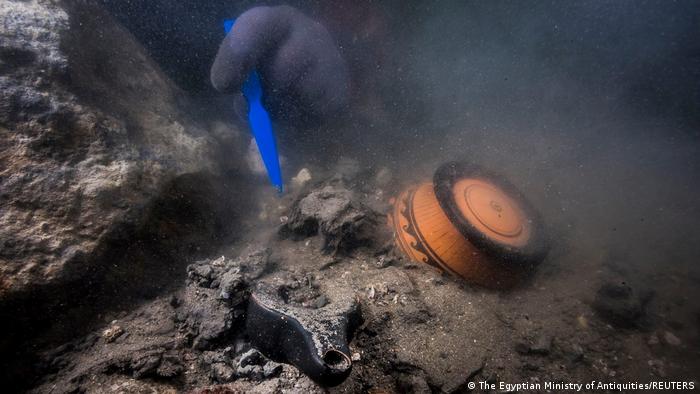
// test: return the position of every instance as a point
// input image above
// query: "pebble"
(541, 345)
(657, 367)
(271, 369)
(221, 372)
(582, 321)
(371, 293)
(251, 357)
(303, 176)
(653, 339)
(165, 327)
(619, 305)
(174, 301)
(576, 353)
(321, 301)
(112, 333)
(436, 281)
(252, 372)
(671, 339)
(384, 261)
(231, 284)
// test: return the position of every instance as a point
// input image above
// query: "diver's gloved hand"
(303, 74)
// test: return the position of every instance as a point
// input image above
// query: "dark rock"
(252, 372)
(319, 207)
(59, 351)
(232, 285)
(228, 352)
(575, 353)
(210, 313)
(388, 259)
(164, 327)
(542, 345)
(531, 365)
(87, 342)
(416, 315)
(200, 273)
(320, 301)
(254, 261)
(338, 215)
(251, 357)
(209, 320)
(218, 363)
(222, 373)
(213, 357)
(170, 366)
(299, 291)
(619, 305)
(271, 369)
(146, 364)
(522, 348)
(387, 255)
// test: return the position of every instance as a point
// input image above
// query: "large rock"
(94, 137)
(620, 305)
(343, 219)
(100, 155)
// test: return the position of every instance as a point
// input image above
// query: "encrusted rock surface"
(92, 135)
(336, 213)
(101, 166)
(216, 294)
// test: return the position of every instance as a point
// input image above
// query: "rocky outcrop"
(98, 150)
(93, 134)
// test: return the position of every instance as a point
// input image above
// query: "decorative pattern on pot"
(470, 223)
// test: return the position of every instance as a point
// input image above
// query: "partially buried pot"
(471, 223)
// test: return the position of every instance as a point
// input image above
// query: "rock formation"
(98, 150)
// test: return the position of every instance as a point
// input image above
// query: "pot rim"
(533, 251)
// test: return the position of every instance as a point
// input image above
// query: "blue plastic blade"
(260, 123)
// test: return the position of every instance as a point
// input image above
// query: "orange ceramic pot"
(470, 223)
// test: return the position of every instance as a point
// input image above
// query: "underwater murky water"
(590, 109)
